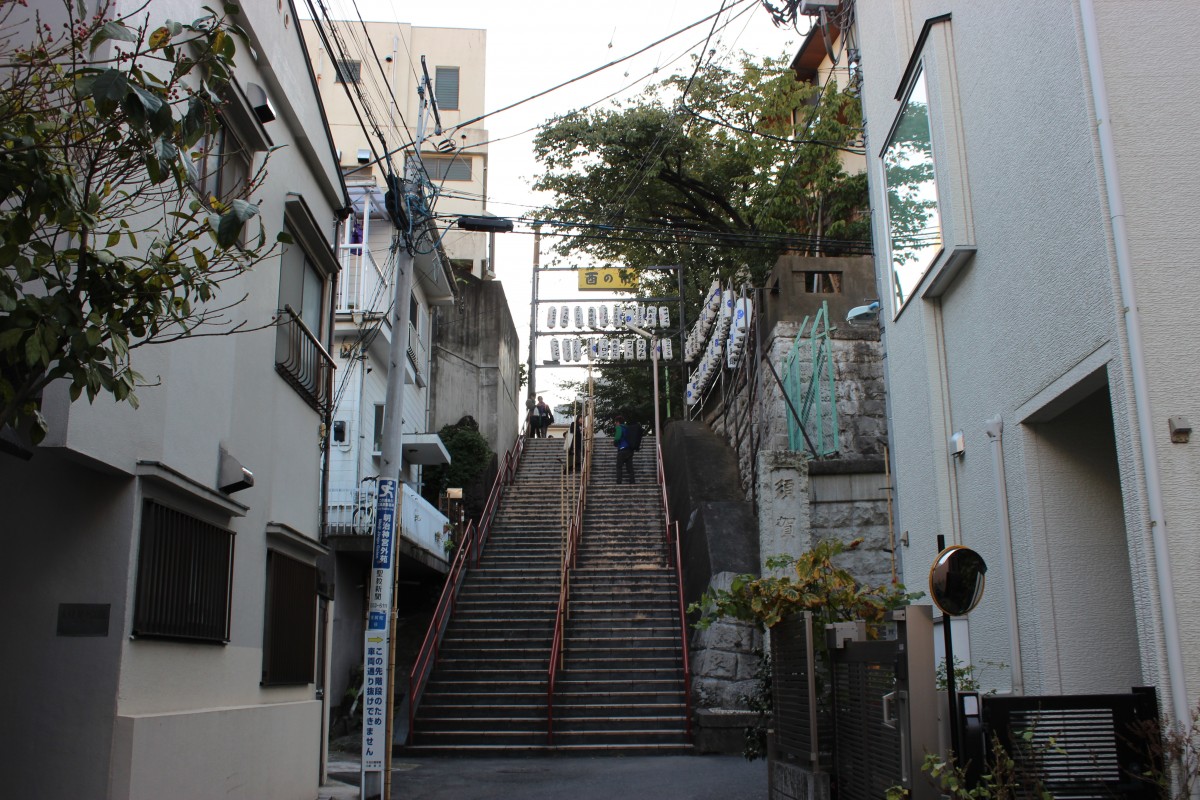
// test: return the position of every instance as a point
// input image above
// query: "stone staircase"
(487, 691)
(621, 688)
(622, 685)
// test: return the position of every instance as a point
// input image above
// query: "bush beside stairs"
(621, 687)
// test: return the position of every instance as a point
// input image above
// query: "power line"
(593, 71)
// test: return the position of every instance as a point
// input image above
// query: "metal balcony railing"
(360, 281)
(351, 512)
(303, 362)
(417, 355)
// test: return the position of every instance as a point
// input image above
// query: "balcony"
(418, 356)
(351, 513)
(361, 282)
(303, 362)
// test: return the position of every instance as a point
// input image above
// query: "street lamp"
(654, 361)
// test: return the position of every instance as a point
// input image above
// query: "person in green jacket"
(624, 449)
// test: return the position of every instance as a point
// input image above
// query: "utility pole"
(379, 652)
(531, 366)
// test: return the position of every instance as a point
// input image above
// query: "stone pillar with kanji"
(784, 523)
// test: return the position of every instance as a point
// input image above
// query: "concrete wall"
(1038, 311)
(475, 368)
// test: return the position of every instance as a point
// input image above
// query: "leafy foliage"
(715, 173)
(1003, 778)
(762, 702)
(469, 456)
(106, 241)
(818, 585)
(720, 174)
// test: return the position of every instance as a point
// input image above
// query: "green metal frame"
(809, 384)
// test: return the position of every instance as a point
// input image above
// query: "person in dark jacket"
(624, 450)
(544, 417)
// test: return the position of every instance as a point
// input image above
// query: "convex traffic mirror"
(956, 580)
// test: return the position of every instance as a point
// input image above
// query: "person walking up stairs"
(487, 692)
(622, 688)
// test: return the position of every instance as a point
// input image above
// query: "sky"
(533, 45)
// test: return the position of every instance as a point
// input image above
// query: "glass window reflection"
(914, 224)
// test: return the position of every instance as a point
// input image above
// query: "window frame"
(439, 92)
(289, 610)
(902, 295)
(161, 609)
(448, 168)
(344, 68)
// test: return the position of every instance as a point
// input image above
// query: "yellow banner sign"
(607, 279)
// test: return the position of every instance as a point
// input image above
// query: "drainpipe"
(994, 428)
(1137, 363)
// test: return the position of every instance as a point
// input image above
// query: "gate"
(870, 717)
(1080, 746)
(884, 706)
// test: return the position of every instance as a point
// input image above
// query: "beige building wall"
(394, 103)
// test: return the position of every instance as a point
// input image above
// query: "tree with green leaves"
(469, 459)
(721, 173)
(112, 236)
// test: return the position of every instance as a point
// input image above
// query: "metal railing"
(671, 532)
(351, 512)
(469, 549)
(572, 530)
(303, 361)
(359, 285)
(417, 355)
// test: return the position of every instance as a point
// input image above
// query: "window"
(302, 286)
(823, 282)
(377, 436)
(305, 266)
(184, 577)
(445, 88)
(440, 168)
(348, 71)
(914, 222)
(223, 166)
(290, 631)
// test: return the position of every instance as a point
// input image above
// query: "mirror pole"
(951, 689)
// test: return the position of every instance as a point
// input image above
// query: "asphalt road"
(576, 778)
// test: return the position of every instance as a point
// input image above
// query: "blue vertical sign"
(378, 636)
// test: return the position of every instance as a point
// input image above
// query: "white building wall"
(1037, 311)
(139, 718)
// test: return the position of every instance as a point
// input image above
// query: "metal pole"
(951, 689)
(682, 339)
(531, 364)
(657, 420)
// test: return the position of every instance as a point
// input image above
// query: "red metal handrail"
(574, 531)
(673, 547)
(468, 552)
